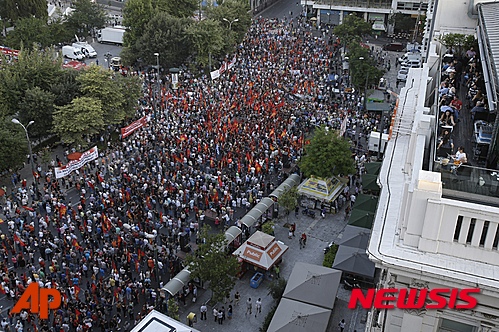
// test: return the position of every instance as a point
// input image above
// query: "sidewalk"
(319, 233)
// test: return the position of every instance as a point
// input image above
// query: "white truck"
(71, 52)
(85, 48)
(111, 35)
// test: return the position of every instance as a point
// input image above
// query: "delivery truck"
(111, 35)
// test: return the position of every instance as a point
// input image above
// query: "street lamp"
(30, 152)
(158, 91)
(230, 22)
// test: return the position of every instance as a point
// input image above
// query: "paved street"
(319, 233)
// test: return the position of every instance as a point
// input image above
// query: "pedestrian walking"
(249, 306)
(229, 312)
(215, 314)
(237, 297)
(303, 240)
(203, 310)
(258, 306)
(342, 325)
(220, 317)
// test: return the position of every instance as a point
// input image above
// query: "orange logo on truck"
(38, 301)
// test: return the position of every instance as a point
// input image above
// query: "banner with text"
(223, 68)
(128, 130)
(73, 165)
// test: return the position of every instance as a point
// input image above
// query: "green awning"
(373, 168)
(366, 202)
(370, 182)
(378, 107)
(361, 218)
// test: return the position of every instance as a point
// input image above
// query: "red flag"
(17, 239)
(90, 184)
(100, 178)
(77, 291)
(114, 266)
(28, 208)
(283, 133)
(62, 210)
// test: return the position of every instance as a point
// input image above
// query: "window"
(471, 230)
(496, 239)
(447, 325)
(484, 233)
(457, 231)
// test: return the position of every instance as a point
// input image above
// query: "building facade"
(426, 235)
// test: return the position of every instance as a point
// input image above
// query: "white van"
(86, 49)
(410, 56)
(71, 52)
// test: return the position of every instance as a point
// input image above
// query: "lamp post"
(30, 151)
(230, 22)
(158, 91)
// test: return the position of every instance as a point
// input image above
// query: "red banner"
(128, 130)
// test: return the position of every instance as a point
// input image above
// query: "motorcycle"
(326, 250)
(309, 213)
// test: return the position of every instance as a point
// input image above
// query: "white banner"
(215, 74)
(73, 165)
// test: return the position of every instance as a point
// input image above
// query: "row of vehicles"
(409, 60)
(78, 50)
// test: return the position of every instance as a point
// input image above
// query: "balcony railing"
(468, 182)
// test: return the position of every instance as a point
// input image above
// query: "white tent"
(320, 189)
(155, 321)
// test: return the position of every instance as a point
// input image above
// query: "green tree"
(12, 10)
(166, 35)
(235, 11)
(95, 82)
(276, 288)
(458, 42)
(130, 90)
(173, 308)
(66, 87)
(177, 8)
(29, 31)
(289, 200)
(402, 22)
(73, 122)
(38, 106)
(86, 17)
(363, 68)
(268, 227)
(327, 154)
(13, 145)
(34, 68)
(352, 29)
(136, 15)
(211, 263)
(206, 37)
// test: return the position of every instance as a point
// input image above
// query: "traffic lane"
(101, 50)
(282, 8)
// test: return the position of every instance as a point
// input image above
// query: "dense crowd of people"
(216, 146)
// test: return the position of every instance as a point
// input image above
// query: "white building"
(376, 11)
(427, 235)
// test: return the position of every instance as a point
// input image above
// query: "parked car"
(402, 75)
(397, 47)
(410, 56)
(73, 53)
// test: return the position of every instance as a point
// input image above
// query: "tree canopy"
(352, 29)
(86, 17)
(327, 154)
(211, 263)
(289, 200)
(12, 10)
(66, 102)
(363, 69)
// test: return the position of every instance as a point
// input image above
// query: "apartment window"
(496, 239)
(484, 233)
(447, 325)
(459, 224)
(471, 230)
